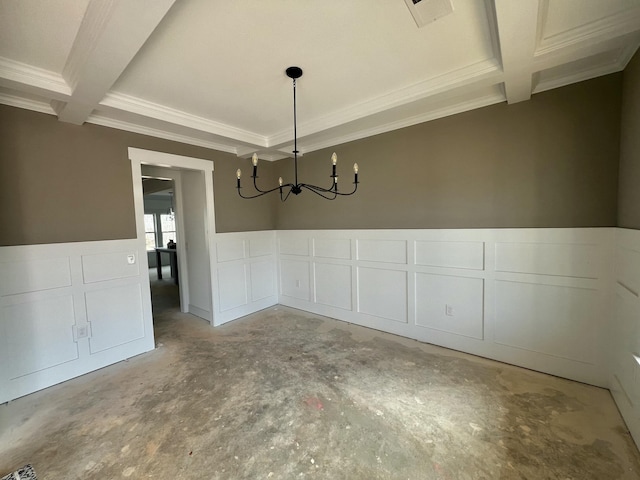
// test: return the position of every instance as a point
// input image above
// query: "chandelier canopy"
(296, 187)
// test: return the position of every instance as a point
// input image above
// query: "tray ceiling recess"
(212, 73)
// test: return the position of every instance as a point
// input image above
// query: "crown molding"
(26, 78)
(602, 29)
(483, 101)
(154, 132)
(617, 65)
(127, 103)
(26, 103)
(479, 72)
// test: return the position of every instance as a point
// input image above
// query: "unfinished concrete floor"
(283, 394)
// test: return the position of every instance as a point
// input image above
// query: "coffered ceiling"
(211, 72)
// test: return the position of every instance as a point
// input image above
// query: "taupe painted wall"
(548, 162)
(629, 189)
(67, 183)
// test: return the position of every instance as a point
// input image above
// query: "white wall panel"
(246, 274)
(294, 246)
(628, 269)
(624, 331)
(386, 251)
(294, 279)
(39, 334)
(555, 288)
(383, 293)
(32, 275)
(109, 266)
(548, 319)
(263, 280)
(232, 286)
(468, 255)
(568, 260)
(333, 285)
(261, 246)
(115, 315)
(451, 304)
(339, 248)
(55, 288)
(230, 250)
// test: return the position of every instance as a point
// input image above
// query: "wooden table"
(173, 261)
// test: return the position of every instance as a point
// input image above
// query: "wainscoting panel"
(295, 279)
(624, 331)
(261, 246)
(232, 286)
(44, 324)
(245, 276)
(109, 266)
(339, 248)
(383, 293)
(263, 280)
(537, 298)
(565, 260)
(115, 316)
(230, 250)
(34, 275)
(451, 304)
(333, 285)
(67, 309)
(468, 255)
(385, 251)
(542, 318)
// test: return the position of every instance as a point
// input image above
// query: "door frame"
(139, 157)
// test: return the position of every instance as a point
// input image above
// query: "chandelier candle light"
(287, 189)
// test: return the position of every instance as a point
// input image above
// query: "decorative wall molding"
(483, 101)
(154, 132)
(624, 329)
(127, 103)
(615, 25)
(26, 103)
(30, 79)
(537, 298)
(245, 274)
(486, 72)
(68, 309)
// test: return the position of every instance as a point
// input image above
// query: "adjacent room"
(322, 239)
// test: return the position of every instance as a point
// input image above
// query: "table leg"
(159, 265)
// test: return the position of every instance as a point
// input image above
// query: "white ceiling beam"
(517, 23)
(101, 51)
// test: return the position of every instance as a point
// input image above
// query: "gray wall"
(67, 183)
(548, 162)
(629, 191)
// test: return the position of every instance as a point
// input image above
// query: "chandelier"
(296, 188)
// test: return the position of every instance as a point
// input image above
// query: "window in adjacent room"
(168, 228)
(150, 231)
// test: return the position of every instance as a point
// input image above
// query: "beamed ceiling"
(211, 72)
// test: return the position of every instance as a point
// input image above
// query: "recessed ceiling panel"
(566, 20)
(40, 33)
(225, 61)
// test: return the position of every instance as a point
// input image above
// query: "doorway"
(190, 199)
(161, 235)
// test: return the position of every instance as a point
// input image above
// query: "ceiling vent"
(427, 11)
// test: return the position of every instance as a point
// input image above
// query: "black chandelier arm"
(320, 191)
(333, 191)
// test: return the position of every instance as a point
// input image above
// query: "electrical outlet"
(131, 259)
(448, 310)
(297, 283)
(82, 331)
